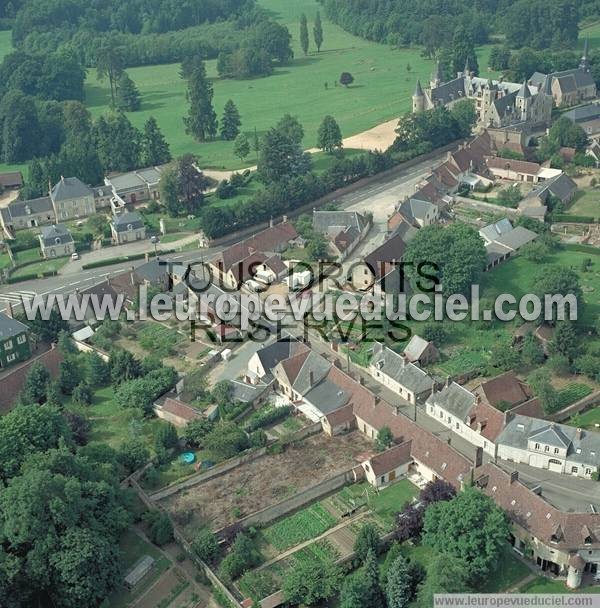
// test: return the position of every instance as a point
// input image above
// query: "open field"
(382, 89)
(246, 489)
(586, 203)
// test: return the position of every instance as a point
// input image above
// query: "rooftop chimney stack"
(514, 476)
(9, 309)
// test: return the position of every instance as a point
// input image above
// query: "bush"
(160, 528)
(206, 546)
(265, 416)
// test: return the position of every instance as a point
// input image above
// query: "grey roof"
(10, 327)
(519, 430)
(396, 367)
(30, 207)
(123, 222)
(406, 231)
(415, 348)
(524, 91)
(327, 396)
(315, 364)
(247, 393)
(134, 180)
(154, 270)
(505, 105)
(516, 238)
(326, 221)
(279, 350)
(547, 86)
(584, 113)
(70, 188)
(139, 570)
(569, 80)
(49, 235)
(415, 209)
(449, 91)
(562, 186)
(418, 90)
(454, 399)
(495, 230)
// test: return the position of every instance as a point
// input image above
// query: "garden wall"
(575, 408)
(287, 506)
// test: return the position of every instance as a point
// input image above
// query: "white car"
(74, 256)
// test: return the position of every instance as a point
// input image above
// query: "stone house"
(127, 227)
(176, 412)
(14, 341)
(20, 215)
(72, 199)
(389, 466)
(56, 241)
(344, 230)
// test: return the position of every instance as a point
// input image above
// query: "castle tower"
(523, 101)
(467, 69)
(436, 77)
(584, 64)
(418, 99)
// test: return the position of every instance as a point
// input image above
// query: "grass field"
(544, 585)
(586, 203)
(40, 267)
(381, 91)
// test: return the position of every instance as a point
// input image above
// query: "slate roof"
(454, 399)
(415, 209)
(70, 188)
(396, 367)
(491, 232)
(516, 238)
(415, 348)
(279, 350)
(331, 222)
(449, 91)
(12, 179)
(389, 251)
(327, 396)
(247, 393)
(312, 370)
(122, 221)
(520, 429)
(153, 271)
(584, 113)
(10, 327)
(49, 234)
(32, 206)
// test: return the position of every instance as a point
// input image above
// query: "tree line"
(536, 23)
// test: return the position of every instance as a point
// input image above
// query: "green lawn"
(382, 89)
(509, 571)
(41, 267)
(589, 419)
(544, 585)
(5, 43)
(587, 202)
(517, 277)
(389, 501)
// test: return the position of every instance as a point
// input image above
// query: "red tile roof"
(487, 420)
(519, 166)
(391, 459)
(180, 409)
(506, 387)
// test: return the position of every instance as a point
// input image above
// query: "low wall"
(483, 206)
(287, 506)
(332, 196)
(89, 348)
(577, 407)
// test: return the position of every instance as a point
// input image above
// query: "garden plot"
(266, 481)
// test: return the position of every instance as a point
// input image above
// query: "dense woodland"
(535, 23)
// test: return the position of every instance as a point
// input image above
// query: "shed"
(138, 571)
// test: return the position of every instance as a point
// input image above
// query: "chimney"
(271, 223)
(396, 410)
(361, 380)
(478, 399)
(478, 457)
(311, 378)
(537, 490)
(62, 179)
(578, 434)
(284, 219)
(514, 476)
(146, 256)
(447, 381)
(9, 309)
(508, 416)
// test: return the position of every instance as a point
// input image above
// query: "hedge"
(32, 276)
(121, 259)
(574, 219)
(266, 416)
(582, 248)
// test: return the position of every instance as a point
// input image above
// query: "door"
(555, 465)
(392, 475)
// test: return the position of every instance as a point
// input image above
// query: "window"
(457, 426)
(8, 345)
(574, 470)
(537, 446)
(546, 448)
(21, 339)
(554, 461)
(11, 357)
(588, 471)
(556, 450)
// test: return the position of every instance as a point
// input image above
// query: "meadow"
(384, 82)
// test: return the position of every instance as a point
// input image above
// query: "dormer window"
(129, 226)
(587, 540)
(57, 240)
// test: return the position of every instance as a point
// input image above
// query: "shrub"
(265, 416)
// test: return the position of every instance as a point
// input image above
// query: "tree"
(558, 280)
(225, 440)
(464, 114)
(201, 121)
(82, 394)
(317, 248)
(372, 594)
(133, 454)
(35, 385)
(68, 378)
(346, 79)
(169, 191)
(109, 64)
(192, 183)
(329, 135)
(455, 254)
(241, 146)
(166, 437)
(398, 588)
(206, 546)
(463, 50)
(222, 393)
(565, 340)
(48, 329)
(531, 352)
(310, 582)
(444, 576)
(230, 123)
(304, 34)
(128, 96)
(118, 142)
(499, 58)
(436, 491)
(79, 427)
(281, 157)
(385, 438)
(98, 373)
(290, 126)
(318, 32)
(195, 431)
(123, 366)
(155, 149)
(367, 540)
(470, 527)
(160, 529)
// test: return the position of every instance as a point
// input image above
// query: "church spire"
(418, 90)
(467, 70)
